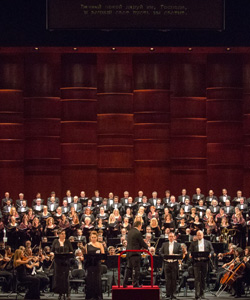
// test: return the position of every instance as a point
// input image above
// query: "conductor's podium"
(147, 292)
(130, 293)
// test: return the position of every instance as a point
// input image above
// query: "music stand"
(200, 255)
(172, 256)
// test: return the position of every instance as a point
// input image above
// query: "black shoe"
(237, 296)
(137, 286)
(125, 286)
(174, 297)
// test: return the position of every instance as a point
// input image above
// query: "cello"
(233, 272)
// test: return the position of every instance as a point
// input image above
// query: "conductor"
(200, 263)
(135, 242)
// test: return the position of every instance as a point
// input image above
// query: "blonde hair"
(17, 256)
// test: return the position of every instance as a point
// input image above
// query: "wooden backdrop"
(124, 119)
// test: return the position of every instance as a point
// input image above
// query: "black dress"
(31, 282)
(61, 266)
(93, 278)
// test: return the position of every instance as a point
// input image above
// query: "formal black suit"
(170, 268)
(138, 200)
(135, 242)
(34, 201)
(78, 207)
(4, 201)
(187, 208)
(56, 200)
(181, 198)
(80, 239)
(18, 202)
(51, 208)
(200, 267)
(196, 198)
(214, 209)
(210, 199)
(97, 201)
(123, 201)
(222, 200)
(229, 210)
(153, 201)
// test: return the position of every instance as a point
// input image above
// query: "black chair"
(77, 280)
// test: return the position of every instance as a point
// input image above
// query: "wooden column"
(11, 142)
(188, 123)
(152, 122)
(224, 123)
(115, 124)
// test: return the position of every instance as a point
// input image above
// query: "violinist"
(31, 282)
(6, 266)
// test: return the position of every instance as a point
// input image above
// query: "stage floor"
(190, 296)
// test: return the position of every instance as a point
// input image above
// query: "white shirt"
(201, 245)
(171, 248)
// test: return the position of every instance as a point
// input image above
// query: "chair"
(104, 279)
(77, 279)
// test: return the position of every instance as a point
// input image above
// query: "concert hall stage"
(80, 295)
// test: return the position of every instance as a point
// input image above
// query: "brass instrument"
(226, 234)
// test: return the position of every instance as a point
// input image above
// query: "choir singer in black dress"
(93, 268)
(135, 242)
(61, 267)
(171, 265)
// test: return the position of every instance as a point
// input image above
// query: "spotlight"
(190, 49)
(75, 49)
(228, 49)
(151, 49)
(113, 49)
(36, 48)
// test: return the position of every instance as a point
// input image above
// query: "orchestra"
(28, 229)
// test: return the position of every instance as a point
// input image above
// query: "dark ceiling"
(23, 23)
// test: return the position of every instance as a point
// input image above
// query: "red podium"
(131, 293)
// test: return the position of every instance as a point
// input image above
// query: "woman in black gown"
(93, 268)
(61, 267)
(31, 282)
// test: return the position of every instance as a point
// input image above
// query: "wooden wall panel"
(11, 71)
(225, 136)
(42, 75)
(152, 147)
(78, 139)
(118, 126)
(79, 70)
(42, 145)
(11, 141)
(188, 142)
(246, 149)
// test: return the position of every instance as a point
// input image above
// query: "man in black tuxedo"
(170, 265)
(124, 200)
(153, 200)
(53, 194)
(228, 208)
(224, 197)
(139, 198)
(135, 242)
(76, 204)
(200, 264)
(6, 197)
(187, 207)
(183, 196)
(197, 197)
(19, 201)
(52, 205)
